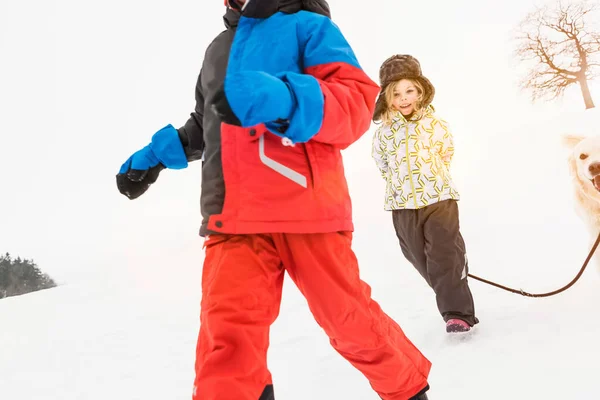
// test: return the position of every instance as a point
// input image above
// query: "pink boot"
(456, 325)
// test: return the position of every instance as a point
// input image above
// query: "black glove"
(142, 168)
(135, 182)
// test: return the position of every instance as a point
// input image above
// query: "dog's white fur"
(587, 197)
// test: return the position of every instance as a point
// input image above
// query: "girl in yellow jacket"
(413, 149)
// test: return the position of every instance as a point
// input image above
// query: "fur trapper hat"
(395, 68)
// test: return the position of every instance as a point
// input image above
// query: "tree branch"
(560, 47)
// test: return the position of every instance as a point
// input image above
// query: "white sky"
(84, 84)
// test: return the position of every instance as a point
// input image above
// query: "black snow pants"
(430, 239)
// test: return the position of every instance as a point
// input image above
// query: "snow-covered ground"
(86, 84)
(94, 342)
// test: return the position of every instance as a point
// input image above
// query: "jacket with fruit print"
(414, 158)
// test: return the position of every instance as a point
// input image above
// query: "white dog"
(584, 165)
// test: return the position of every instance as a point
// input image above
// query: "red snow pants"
(242, 284)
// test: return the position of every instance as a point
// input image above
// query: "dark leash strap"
(562, 289)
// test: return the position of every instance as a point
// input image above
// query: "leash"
(562, 289)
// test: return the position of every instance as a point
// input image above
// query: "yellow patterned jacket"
(414, 158)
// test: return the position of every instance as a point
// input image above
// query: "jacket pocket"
(311, 164)
(313, 154)
(327, 167)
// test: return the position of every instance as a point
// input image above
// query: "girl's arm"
(378, 151)
(445, 140)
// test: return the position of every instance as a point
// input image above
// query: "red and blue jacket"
(251, 181)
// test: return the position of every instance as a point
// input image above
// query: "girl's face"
(405, 97)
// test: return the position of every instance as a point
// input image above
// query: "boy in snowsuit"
(279, 94)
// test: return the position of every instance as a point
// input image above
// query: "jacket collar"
(231, 18)
(427, 112)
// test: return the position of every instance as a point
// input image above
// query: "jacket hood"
(266, 8)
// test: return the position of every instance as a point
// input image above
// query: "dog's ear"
(570, 141)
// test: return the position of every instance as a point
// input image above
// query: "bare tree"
(562, 47)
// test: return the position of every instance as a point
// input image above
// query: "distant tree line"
(19, 276)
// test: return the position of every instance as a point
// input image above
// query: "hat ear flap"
(380, 107)
(428, 90)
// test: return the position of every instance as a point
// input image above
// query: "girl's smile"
(406, 96)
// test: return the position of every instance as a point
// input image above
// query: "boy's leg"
(325, 269)
(242, 282)
(447, 264)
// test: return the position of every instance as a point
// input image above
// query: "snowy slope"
(94, 343)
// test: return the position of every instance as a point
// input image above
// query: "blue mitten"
(290, 105)
(142, 168)
(250, 98)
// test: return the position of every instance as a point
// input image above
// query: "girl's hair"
(388, 114)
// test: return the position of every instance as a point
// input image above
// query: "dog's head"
(584, 160)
